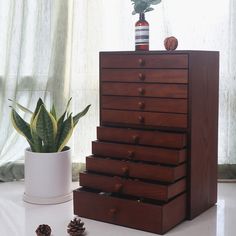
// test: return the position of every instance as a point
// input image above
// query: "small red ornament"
(171, 43)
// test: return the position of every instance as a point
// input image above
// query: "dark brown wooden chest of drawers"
(154, 163)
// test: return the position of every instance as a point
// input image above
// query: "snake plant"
(45, 132)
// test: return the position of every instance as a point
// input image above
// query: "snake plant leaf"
(68, 103)
(62, 118)
(59, 126)
(81, 114)
(66, 132)
(67, 107)
(53, 112)
(24, 109)
(46, 127)
(39, 104)
(37, 141)
(21, 126)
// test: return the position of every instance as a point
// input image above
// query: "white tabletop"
(18, 218)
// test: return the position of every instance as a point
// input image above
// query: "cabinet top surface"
(159, 52)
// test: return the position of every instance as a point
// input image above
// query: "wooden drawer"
(143, 119)
(168, 174)
(144, 104)
(139, 153)
(145, 90)
(133, 187)
(148, 216)
(142, 137)
(143, 75)
(144, 61)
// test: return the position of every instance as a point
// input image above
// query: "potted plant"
(48, 159)
(143, 6)
(142, 26)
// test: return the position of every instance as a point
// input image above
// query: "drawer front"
(145, 75)
(139, 153)
(168, 174)
(144, 104)
(144, 61)
(145, 90)
(143, 119)
(132, 187)
(142, 137)
(130, 212)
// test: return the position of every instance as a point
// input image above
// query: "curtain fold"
(227, 140)
(35, 48)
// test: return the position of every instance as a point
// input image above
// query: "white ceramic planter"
(48, 177)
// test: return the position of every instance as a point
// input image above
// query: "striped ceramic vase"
(142, 33)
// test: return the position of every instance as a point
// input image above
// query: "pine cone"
(43, 230)
(75, 227)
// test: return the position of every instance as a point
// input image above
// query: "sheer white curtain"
(36, 59)
(35, 46)
(198, 25)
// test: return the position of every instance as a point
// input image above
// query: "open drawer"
(162, 173)
(139, 153)
(130, 212)
(142, 137)
(133, 187)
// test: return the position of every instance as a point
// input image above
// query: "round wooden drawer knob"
(141, 62)
(141, 105)
(130, 154)
(141, 119)
(141, 91)
(118, 187)
(135, 138)
(125, 170)
(141, 76)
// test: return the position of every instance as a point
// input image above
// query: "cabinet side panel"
(203, 131)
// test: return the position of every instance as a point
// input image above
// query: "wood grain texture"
(143, 61)
(143, 119)
(154, 107)
(145, 75)
(203, 131)
(168, 174)
(145, 90)
(169, 213)
(139, 153)
(133, 187)
(145, 104)
(131, 213)
(142, 137)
